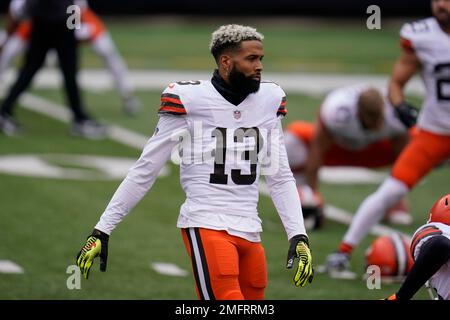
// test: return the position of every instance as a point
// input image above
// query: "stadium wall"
(341, 8)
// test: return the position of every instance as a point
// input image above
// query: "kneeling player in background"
(356, 126)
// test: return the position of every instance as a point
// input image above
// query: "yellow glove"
(299, 248)
(96, 245)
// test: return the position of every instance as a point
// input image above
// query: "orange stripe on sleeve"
(173, 100)
(171, 104)
(422, 234)
(172, 110)
(282, 108)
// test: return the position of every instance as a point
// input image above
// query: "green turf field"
(44, 222)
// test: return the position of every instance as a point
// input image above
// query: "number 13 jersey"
(223, 150)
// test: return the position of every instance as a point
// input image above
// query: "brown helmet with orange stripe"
(391, 254)
(440, 212)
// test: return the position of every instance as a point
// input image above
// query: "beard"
(241, 83)
(443, 18)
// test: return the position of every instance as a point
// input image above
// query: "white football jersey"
(432, 47)
(224, 148)
(339, 115)
(441, 279)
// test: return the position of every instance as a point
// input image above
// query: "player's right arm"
(143, 174)
(320, 144)
(171, 126)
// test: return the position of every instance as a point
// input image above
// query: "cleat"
(9, 126)
(337, 262)
(88, 129)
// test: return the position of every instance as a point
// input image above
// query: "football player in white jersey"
(356, 126)
(227, 126)
(430, 248)
(92, 30)
(425, 48)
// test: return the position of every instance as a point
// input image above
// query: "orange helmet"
(440, 212)
(391, 254)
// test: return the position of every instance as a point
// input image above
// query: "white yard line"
(303, 83)
(59, 112)
(168, 269)
(8, 266)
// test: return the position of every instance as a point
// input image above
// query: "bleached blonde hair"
(232, 35)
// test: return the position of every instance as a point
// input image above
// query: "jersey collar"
(226, 90)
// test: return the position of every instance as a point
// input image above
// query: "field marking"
(58, 166)
(100, 80)
(61, 113)
(342, 216)
(10, 267)
(169, 269)
(351, 175)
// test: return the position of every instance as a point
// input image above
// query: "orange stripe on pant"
(425, 151)
(225, 267)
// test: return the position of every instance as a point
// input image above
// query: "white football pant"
(373, 208)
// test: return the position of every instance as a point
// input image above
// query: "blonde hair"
(231, 35)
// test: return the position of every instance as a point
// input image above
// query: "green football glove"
(299, 248)
(96, 245)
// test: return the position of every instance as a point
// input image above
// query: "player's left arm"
(283, 192)
(433, 255)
